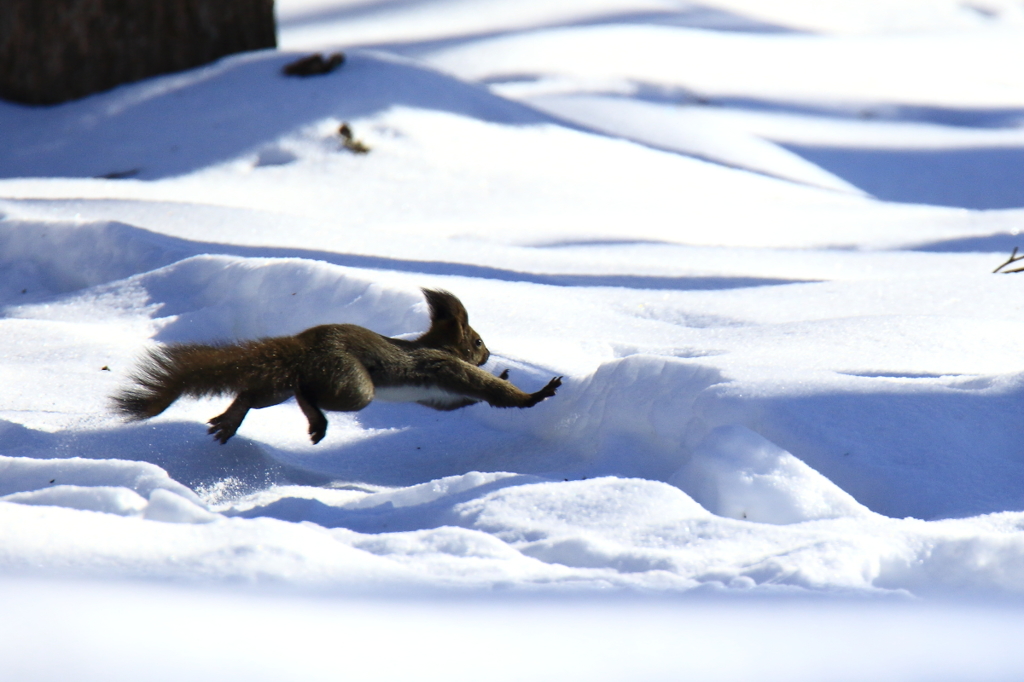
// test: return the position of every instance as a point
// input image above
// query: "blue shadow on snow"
(975, 178)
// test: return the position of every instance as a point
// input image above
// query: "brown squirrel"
(336, 367)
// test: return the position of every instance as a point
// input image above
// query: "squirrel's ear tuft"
(445, 306)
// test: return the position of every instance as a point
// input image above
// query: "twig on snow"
(1009, 261)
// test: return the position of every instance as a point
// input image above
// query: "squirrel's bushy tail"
(198, 370)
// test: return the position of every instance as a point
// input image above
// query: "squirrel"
(334, 367)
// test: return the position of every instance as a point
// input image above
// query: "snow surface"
(757, 239)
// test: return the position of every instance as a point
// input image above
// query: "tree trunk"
(56, 50)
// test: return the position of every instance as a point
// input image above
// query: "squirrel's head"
(450, 330)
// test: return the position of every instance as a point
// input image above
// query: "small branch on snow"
(349, 142)
(314, 65)
(1009, 261)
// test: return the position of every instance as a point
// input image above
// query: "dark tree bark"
(56, 50)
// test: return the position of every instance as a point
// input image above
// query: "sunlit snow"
(756, 238)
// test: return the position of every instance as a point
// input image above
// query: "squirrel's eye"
(478, 343)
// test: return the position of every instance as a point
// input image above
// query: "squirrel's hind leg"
(224, 426)
(317, 420)
(349, 390)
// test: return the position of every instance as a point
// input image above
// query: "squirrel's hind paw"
(317, 431)
(220, 431)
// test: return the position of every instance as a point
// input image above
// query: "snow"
(756, 239)
(166, 633)
(734, 472)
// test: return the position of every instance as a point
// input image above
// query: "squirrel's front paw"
(550, 389)
(545, 392)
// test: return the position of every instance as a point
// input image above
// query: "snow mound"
(106, 499)
(60, 257)
(170, 508)
(211, 297)
(737, 473)
(584, 524)
(108, 486)
(428, 492)
(610, 505)
(21, 474)
(410, 508)
(630, 417)
(938, 447)
(206, 298)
